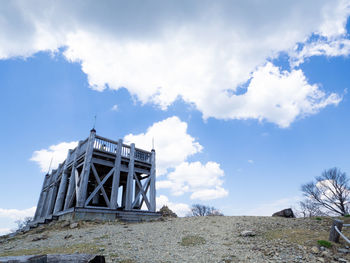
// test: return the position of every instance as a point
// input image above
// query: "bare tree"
(202, 210)
(330, 192)
(307, 208)
(22, 224)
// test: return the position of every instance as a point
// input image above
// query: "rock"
(43, 237)
(67, 236)
(342, 260)
(73, 225)
(288, 213)
(320, 259)
(315, 250)
(65, 224)
(248, 233)
(166, 212)
(343, 250)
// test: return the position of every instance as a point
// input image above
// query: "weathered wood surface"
(152, 196)
(71, 185)
(116, 176)
(63, 186)
(53, 258)
(129, 183)
(334, 235)
(84, 177)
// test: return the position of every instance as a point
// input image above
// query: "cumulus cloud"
(181, 209)
(173, 147)
(204, 181)
(57, 153)
(199, 51)
(11, 215)
(171, 140)
(17, 214)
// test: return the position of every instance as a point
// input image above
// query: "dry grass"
(87, 248)
(192, 241)
(300, 236)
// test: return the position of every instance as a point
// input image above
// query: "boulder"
(285, 213)
(166, 212)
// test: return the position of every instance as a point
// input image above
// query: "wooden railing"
(110, 146)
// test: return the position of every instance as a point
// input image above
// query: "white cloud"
(173, 146)
(200, 51)
(57, 153)
(4, 231)
(115, 107)
(204, 181)
(17, 214)
(9, 216)
(180, 209)
(250, 161)
(172, 143)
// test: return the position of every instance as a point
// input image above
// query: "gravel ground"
(196, 239)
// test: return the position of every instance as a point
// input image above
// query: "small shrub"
(192, 241)
(347, 215)
(318, 218)
(324, 243)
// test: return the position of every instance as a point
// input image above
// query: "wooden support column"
(63, 185)
(47, 190)
(53, 190)
(129, 182)
(71, 186)
(137, 196)
(41, 200)
(84, 177)
(123, 195)
(152, 195)
(116, 176)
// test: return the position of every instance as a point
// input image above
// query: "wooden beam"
(41, 200)
(116, 176)
(71, 186)
(152, 194)
(84, 180)
(63, 186)
(53, 191)
(129, 184)
(143, 191)
(100, 185)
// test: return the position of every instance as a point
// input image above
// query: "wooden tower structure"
(100, 179)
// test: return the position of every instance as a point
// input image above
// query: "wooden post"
(63, 186)
(137, 196)
(71, 185)
(46, 196)
(53, 190)
(130, 181)
(152, 195)
(41, 200)
(84, 177)
(123, 196)
(334, 235)
(116, 176)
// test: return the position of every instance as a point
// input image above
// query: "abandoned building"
(100, 179)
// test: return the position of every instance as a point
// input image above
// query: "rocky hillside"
(196, 239)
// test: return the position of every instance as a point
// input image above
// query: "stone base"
(91, 214)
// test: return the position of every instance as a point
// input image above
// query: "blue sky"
(247, 116)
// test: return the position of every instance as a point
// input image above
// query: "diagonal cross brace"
(143, 190)
(100, 185)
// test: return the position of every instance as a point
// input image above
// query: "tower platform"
(100, 179)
